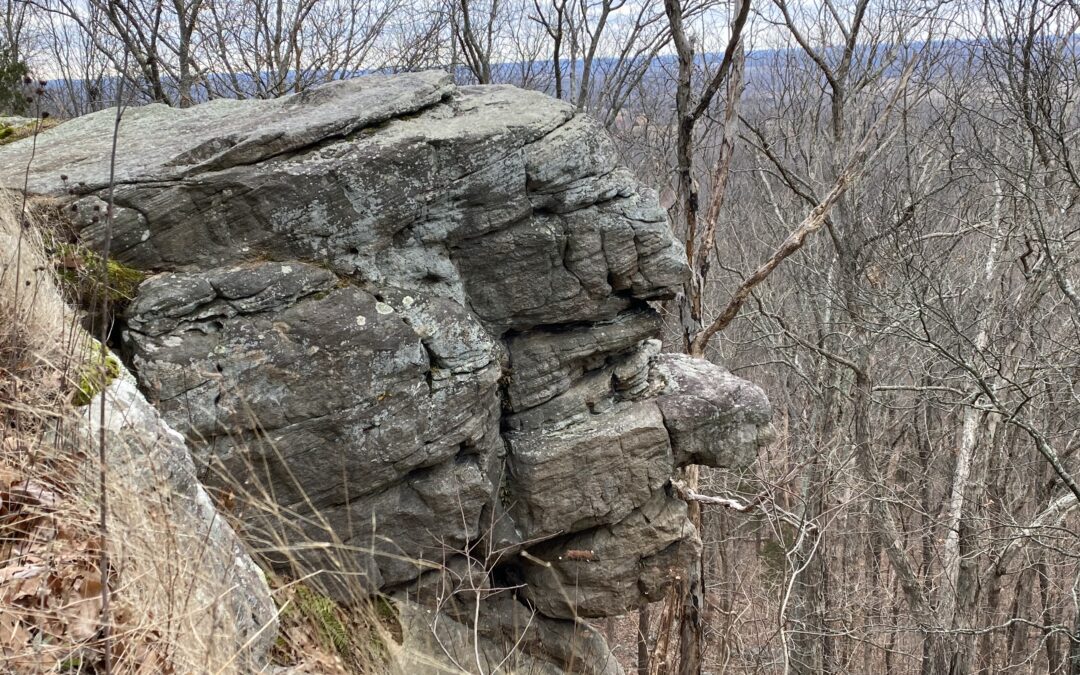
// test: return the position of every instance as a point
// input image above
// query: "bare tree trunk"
(1017, 631)
(986, 662)
(691, 629)
(1074, 648)
(812, 644)
(1054, 660)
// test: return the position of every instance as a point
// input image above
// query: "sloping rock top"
(413, 321)
(157, 142)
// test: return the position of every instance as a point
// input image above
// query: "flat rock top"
(159, 143)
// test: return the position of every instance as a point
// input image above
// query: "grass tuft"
(320, 633)
(81, 273)
(97, 373)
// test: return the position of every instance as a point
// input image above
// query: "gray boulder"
(410, 324)
(610, 570)
(713, 418)
(509, 638)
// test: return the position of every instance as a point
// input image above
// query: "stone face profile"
(416, 319)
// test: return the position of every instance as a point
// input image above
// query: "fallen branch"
(758, 503)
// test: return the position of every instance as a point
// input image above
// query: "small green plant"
(86, 279)
(319, 631)
(9, 133)
(325, 615)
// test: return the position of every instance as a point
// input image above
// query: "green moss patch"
(98, 372)
(87, 278)
(313, 624)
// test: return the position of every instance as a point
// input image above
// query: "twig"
(533, 559)
(103, 336)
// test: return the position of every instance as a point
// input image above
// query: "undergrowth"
(50, 579)
(9, 133)
(83, 275)
(166, 609)
(318, 632)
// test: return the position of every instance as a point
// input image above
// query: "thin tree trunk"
(986, 662)
(1017, 632)
(1074, 649)
(812, 644)
(691, 629)
(1054, 662)
(643, 640)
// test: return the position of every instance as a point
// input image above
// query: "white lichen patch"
(285, 269)
(361, 320)
(407, 301)
(383, 308)
(172, 341)
(145, 235)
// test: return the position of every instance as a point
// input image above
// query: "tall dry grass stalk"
(36, 336)
(168, 614)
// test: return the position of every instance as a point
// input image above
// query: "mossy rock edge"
(86, 276)
(97, 373)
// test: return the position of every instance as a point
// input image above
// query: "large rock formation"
(414, 321)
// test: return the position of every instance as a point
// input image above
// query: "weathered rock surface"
(609, 570)
(412, 322)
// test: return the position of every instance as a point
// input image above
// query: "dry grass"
(9, 133)
(35, 342)
(172, 611)
(50, 545)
